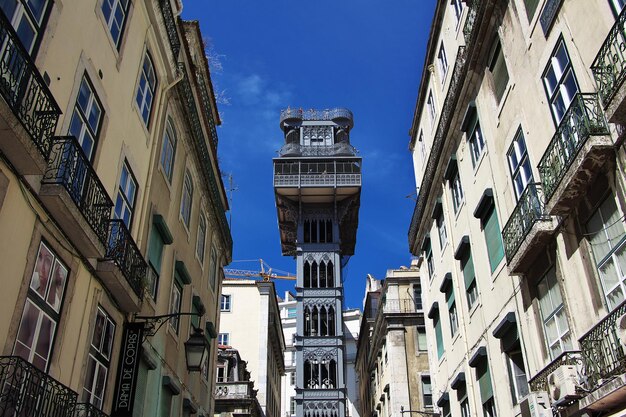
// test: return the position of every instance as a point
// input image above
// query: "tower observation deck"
(317, 184)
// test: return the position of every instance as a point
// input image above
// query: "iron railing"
(603, 354)
(528, 211)
(540, 381)
(69, 166)
(24, 90)
(609, 66)
(170, 27)
(27, 391)
(206, 103)
(337, 149)
(312, 114)
(88, 410)
(583, 118)
(123, 250)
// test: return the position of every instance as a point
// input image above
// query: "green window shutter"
(495, 249)
(450, 297)
(140, 393)
(439, 337)
(484, 380)
(467, 264)
(155, 249)
(195, 320)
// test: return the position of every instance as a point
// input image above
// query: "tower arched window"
(331, 321)
(323, 283)
(307, 321)
(323, 321)
(307, 274)
(314, 275)
(330, 274)
(315, 322)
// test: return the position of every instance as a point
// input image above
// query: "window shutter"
(495, 249)
(140, 393)
(439, 337)
(468, 269)
(450, 298)
(484, 380)
(155, 249)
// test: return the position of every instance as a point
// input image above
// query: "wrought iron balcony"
(609, 66)
(88, 410)
(27, 391)
(313, 174)
(123, 251)
(25, 91)
(338, 149)
(234, 390)
(583, 119)
(312, 114)
(603, 353)
(170, 25)
(69, 167)
(206, 103)
(540, 381)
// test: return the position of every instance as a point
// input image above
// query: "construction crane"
(266, 272)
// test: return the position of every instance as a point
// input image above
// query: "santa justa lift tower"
(317, 183)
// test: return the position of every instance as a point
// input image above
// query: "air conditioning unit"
(562, 384)
(620, 328)
(536, 404)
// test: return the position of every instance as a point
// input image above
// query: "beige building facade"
(392, 357)
(90, 90)
(519, 224)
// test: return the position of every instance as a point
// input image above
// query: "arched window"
(186, 199)
(331, 321)
(323, 321)
(307, 321)
(307, 274)
(323, 283)
(314, 235)
(168, 150)
(311, 374)
(314, 274)
(307, 231)
(330, 274)
(146, 88)
(329, 231)
(315, 322)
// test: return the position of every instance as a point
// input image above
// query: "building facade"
(84, 121)
(517, 144)
(392, 355)
(317, 184)
(234, 391)
(250, 321)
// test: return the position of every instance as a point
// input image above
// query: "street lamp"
(423, 413)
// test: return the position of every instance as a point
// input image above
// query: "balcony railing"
(170, 26)
(24, 90)
(122, 250)
(69, 166)
(233, 390)
(27, 391)
(529, 210)
(337, 149)
(312, 114)
(206, 103)
(88, 410)
(609, 67)
(583, 119)
(602, 351)
(399, 306)
(540, 381)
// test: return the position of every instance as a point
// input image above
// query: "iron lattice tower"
(317, 184)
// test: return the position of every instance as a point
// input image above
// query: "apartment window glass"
(291, 312)
(457, 5)
(186, 200)
(225, 302)
(465, 408)
(560, 82)
(452, 314)
(518, 381)
(519, 164)
(457, 192)
(442, 60)
(432, 112)
(427, 394)
(222, 339)
(175, 301)
(493, 238)
(499, 72)
(201, 237)
(213, 268)
(469, 278)
(168, 150)
(126, 193)
(27, 18)
(115, 12)
(42, 310)
(441, 229)
(146, 88)
(422, 345)
(476, 142)
(292, 378)
(86, 117)
(607, 237)
(292, 406)
(99, 359)
(422, 146)
(555, 324)
(417, 296)
(531, 7)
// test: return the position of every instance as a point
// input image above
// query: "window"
(469, 277)
(457, 192)
(441, 229)
(465, 409)
(99, 359)
(531, 7)
(518, 381)
(291, 312)
(292, 378)
(206, 364)
(42, 311)
(175, 300)
(617, 6)
(222, 339)
(476, 143)
(126, 193)
(422, 146)
(489, 408)
(417, 296)
(225, 302)
(213, 268)
(427, 394)
(493, 238)
(499, 72)
(221, 372)
(27, 18)
(201, 238)
(115, 12)
(438, 335)
(607, 238)
(168, 150)
(146, 88)
(560, 82)
(86, 118)
(452, 315)
(430, 264)
(432, 112)
(422, 345)
(457, 5)
(519, 164)
(186, 199)
(318, 231)
(442, 60)
(292, 406)
(555, 324)
(483, 377)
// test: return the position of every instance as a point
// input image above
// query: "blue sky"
(366, 55)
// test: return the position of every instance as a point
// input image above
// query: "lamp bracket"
(152, 324)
